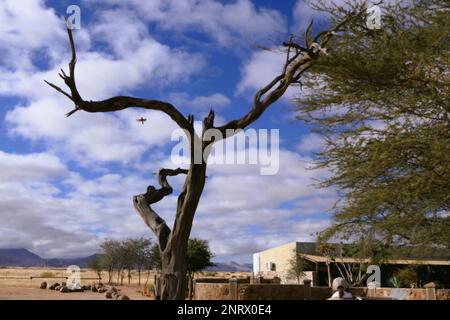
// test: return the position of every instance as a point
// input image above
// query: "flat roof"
(319, 258)
(315, 258)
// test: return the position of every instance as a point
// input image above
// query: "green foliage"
(210, 274)
(96, 265)
(408, 277)
(396, 282)
(381, 101)
(198, 256)
(47, 274)
(122, 255)
(156, 254)
(297, 266)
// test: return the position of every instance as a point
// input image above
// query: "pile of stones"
(109, 291)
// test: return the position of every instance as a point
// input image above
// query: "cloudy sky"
(66, 184)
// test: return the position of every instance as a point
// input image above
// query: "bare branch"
(58, 89)
(142, 204)
(292, 71)
(115, 103)
(308, 33)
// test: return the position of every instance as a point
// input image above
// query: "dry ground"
(27, 293)
(16, 283)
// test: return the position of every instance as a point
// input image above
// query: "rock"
(43, 285)
(123, 297)
(64, 289)
(101, 290)
(63, 284)
(108, 294)
(53, 286)
(94, 289)
(57, 288)
(100, 284)
(77, 290)
(115, 295)
(111, 288)
(86, 288)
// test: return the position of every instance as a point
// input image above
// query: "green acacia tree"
(381, 102)
(297, 266)
(97, 266)
(199, 257)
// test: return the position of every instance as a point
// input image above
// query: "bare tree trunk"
(173, 244)
(139, 277)
(191, 285)
(330, 281)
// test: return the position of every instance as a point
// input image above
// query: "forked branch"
(299, 58)
(115, 103)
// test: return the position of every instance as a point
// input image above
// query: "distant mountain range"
(231, 267)
(26, 258)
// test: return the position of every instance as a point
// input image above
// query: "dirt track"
(26, 293)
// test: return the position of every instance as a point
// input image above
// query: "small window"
(270, 266)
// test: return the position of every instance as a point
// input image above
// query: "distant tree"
(198, 258)
(327, 251)
(110, 257)
(156, 257)
(123, 254)
(297, 266)
(97, 266)
(143, 255)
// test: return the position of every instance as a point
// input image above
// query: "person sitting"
(340, 288)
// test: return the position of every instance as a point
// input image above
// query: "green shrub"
(408, 277)
(47, 274)
(210, 274)
(395, 282)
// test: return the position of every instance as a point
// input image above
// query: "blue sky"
(66, 183)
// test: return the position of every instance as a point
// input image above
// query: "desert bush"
(47, 274)
(210, 274)
(408, 277)
(395, 282)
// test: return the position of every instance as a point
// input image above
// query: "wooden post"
(233, 293)
(430, 291)
(307, 289)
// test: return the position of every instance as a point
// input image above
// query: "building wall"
(280, 258)
(246, 291)
(211, 291)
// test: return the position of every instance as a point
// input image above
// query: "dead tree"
(173, 242)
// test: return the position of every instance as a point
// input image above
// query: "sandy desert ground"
(21, 284)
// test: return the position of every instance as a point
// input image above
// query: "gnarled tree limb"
(293, 69)
(115, 103)
(142, 204)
